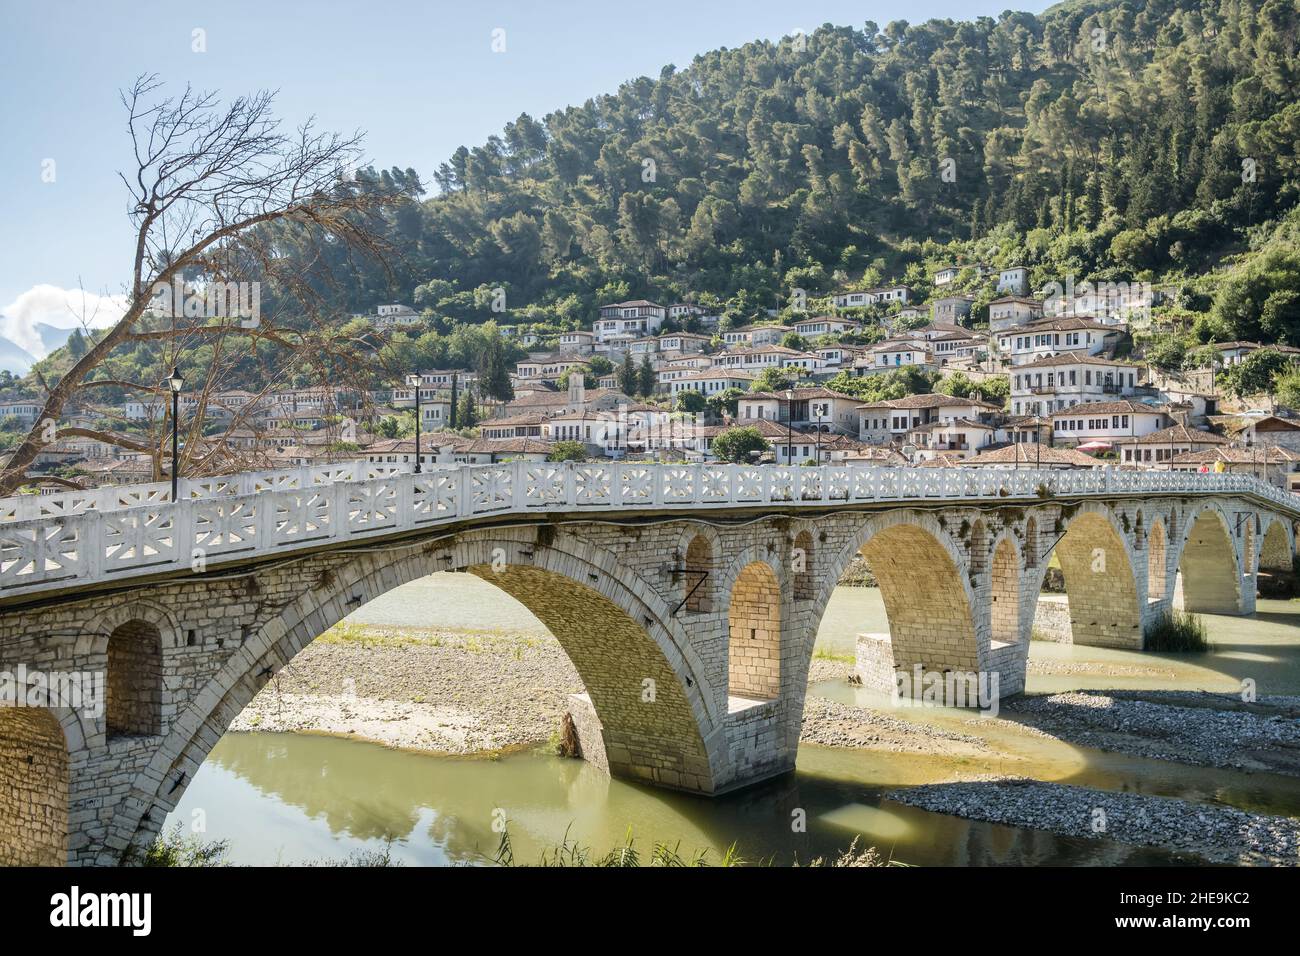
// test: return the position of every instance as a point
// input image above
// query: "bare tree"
(215, 190)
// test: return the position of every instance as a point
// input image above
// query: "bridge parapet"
(66, 540)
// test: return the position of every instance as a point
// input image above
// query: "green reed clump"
(1177, 631)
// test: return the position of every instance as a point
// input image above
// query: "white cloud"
(61, 308)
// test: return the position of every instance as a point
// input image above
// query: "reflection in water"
(295, 798)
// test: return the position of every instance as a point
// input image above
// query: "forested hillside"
(1104, 139)
(1101, 139)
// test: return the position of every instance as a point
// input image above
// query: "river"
(287, 798)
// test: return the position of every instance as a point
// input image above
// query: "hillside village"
(976, 371)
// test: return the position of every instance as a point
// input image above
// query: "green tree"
(737, 444)
(646, 378)
(689, 400)
(568, 451)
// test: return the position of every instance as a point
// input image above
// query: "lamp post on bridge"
(176, 383)
(414, 380)
(789, 426)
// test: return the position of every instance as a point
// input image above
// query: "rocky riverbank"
(439, 691)
(1207, 730)
(1218, 834)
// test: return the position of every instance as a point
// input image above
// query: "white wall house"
(755, 335)
(1014, 280)
(577, 341)
(825, 325)
(1012, 310)
(624, 321)
(1106, 421)
(891, 355)
(945, 275)
(887, 421)
(1060, 381)
(709, 382)
(1054, 336)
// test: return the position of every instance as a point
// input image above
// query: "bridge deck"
(105, 536)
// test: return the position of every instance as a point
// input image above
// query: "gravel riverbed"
(1208, 730)
(1218, 834)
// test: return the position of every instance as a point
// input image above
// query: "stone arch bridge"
(688, 597)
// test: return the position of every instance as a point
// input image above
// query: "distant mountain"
(14, 358)
(52, 337)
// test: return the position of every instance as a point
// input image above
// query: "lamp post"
(175, 383)
(820, 409)
(414, 380)
(789, 426)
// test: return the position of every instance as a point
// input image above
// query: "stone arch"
(1276, 552)
(34, 784)
(1100, 585)
(805, 566)
(926, 590)
(623, 635)
(700, 570)
(1157, 561)
(133, 684)
(1209, 579)
(754, 634)
(1004, 592)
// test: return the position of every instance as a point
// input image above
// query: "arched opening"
(1004, 614)
(134, 684)
(1275, 549)
(754, 647)
(641, 700)
(697, 583)
(926, 603)
(1208, 580)
(1100, 589)
(647, 724)
(1157, 561)
(34, 788)
(801, 563)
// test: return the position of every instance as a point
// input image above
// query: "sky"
(419, 79)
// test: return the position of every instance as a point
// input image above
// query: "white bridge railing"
(57, 541)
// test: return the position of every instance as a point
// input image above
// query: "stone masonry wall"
(33, 788)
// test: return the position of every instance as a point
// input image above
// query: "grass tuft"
(1178, 632)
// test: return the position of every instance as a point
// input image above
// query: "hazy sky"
(419, 78)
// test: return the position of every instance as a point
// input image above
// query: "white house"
(1012, 310)
(804, 408)
(946, 274)
(624, 321)
(1106, 422)
(1054, 336)
(1059, 381)
(825, 325)
(709, 382)
(580, 341)
(890, 355)
(1014, 280)
(755, 335)
(891, 420)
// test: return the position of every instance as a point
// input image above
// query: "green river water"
(286, 798)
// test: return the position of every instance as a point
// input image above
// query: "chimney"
(577, 389)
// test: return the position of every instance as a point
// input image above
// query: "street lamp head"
(413, 380)
(174, 381)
